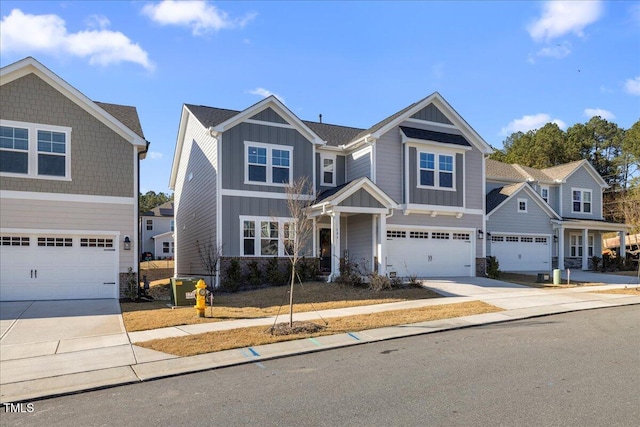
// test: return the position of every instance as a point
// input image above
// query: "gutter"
(140, 155)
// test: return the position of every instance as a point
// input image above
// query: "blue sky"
(504, 66)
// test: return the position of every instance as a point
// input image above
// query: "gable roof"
(556, 174)
(338, 194)
(498, 197)
(163, 210)
(123, 120)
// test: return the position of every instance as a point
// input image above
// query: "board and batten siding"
(102, 162)
(339, 168)
(425, 196)
(360, 240)
(389, 168)
(507, 218)
(583, 180)
(233, 153)
(195, 203)
(60, 216)
(359, 164)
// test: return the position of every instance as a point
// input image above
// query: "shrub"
(378, 282)
(595, 262)
(493, 267)
(254, 276)
(308, 269)
(275, 277)
(350, 274)
(234, 276)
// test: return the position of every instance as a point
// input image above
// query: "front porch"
(580, 240)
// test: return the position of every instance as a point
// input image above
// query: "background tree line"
(151, 199)
(613, 151)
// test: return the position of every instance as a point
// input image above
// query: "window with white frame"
(268, 164)
(544, 193)
(167, 247)
(172, 225)
(149, 225)
(576, 246)
(522, 205)
(266, 236)
(328, 172)
(436, 170)
(581, 200)
(34, 150)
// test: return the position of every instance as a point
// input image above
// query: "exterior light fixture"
(127, 243)
(480, 234)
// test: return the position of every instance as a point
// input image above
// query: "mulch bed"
(296, 328)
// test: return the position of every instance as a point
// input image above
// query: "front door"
(325, 250)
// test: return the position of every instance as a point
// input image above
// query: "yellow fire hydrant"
(201, 294)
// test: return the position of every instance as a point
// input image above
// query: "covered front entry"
(429, 253)
(54, 267)
(521, 253)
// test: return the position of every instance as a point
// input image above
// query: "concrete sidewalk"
(35, 369)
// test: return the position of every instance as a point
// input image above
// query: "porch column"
(585, 249)
(623, 244)
(382, 244)
(335, 245)
(561, 248)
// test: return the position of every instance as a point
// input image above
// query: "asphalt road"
(576, 369)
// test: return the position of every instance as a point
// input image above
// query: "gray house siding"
(361, 199)
(233, 153)
(554, 198)
(583, 180)
(507, 218)
(195, 197)
(359, 165)
(160, 225)
(268, 115)
(435, 197)
(431, 113)
(30, 99)
(359, 239)
(339, 171)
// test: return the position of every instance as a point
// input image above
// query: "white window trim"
(436, 170)
(333, 158)
(269, 165)
(542, 189)
(582, 193)
(526, 205)
(580, 246)
(32, 152)
(257, 238)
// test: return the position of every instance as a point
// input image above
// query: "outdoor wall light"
(480, 234)
(555, 238)
(127, 243)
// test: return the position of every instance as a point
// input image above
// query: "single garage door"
(521, 253)
(45, 267)
(427, 253)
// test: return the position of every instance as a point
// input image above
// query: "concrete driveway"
(48, 338)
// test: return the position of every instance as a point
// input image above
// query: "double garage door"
(429, 253)
(521, 253)
(46, 267)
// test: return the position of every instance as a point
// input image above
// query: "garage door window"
(395, 234)
(57, 242)
(541, 240)
(526, 239)
(441, 236)
(461, 236)
(419, 235)
(497, 238)
(96, 243)
(15, 241)
(512, 238)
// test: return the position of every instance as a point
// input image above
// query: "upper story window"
(436, 170)
(268, 164)
(581, 200)
(328, 172)
(172, 225)
(34, 150)
(522, 205)
(544, 193)
(149, 224)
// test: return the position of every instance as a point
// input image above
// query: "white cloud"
(530, 122)
(605, 114)
(154, 155)
(559, 51)
(632, 86)
(200, 16)
(24, 33)
(563, 17)
(260, 91)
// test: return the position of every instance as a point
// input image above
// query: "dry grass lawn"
(635, 290)
(263, 303)
(530, 280)
(247, 337)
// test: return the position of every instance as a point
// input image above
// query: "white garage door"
(427, 253)
(521, 253)
(39, 267)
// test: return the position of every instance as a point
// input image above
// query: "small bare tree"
(210, 255)
(296, 234)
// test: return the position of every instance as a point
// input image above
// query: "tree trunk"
(293, 279)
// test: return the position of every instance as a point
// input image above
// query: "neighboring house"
(404, 197)
(156, 231)
(68, 189)
(544, 219)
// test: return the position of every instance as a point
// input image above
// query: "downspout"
(140, 154)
